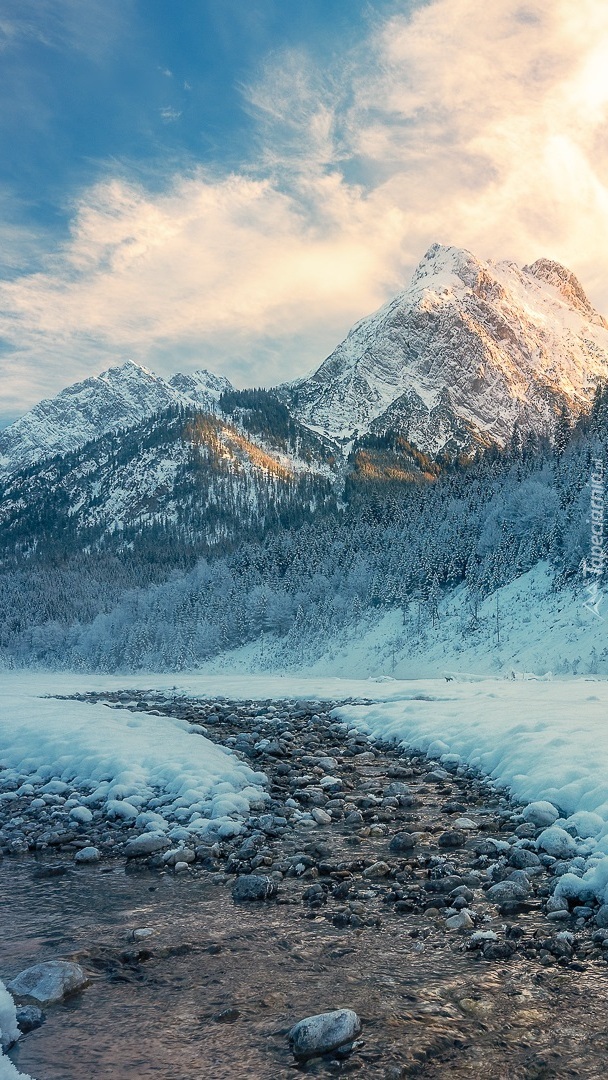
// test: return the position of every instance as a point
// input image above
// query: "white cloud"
(169, 115)
(475, 124)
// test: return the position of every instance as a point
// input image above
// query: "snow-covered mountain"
(467, 352)
(118, 398)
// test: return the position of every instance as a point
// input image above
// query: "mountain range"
(467, 353)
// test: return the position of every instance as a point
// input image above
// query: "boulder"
(325, 1032)
(146, 844)
(251, 887)
(47, 983)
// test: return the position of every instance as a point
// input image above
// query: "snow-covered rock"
(466, 352)
(540, 814)
(557, 842)
(49, 982)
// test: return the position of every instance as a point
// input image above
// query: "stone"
(521, 858)
(601, 916)
(320, 816)
(29, 1017)
(251, 887)
(466, 824)
(87, 855)
(507, 891)
(453, 838)
(81, 814)
(146, 844)
(557, 903)
(398, 788)
(541, 814)
(461, 921)
(377, 869)
(48, 983)
(402, 842)
(322, 1033)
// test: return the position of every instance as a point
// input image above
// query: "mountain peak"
(567, 284)
(119, 397)
(464, 354)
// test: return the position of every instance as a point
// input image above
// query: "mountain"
(466, 353)
(182, 479)
(118, 398)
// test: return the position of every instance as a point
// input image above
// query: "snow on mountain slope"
(468, 351)
(207, 479)
(118, 398)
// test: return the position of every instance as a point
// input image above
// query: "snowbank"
(541, 740)
(9, 1033)
(124, 761)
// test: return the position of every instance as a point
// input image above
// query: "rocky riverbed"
(374, 879)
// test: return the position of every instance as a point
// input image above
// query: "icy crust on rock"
(117, 398)
(153, 773)
(466, 352)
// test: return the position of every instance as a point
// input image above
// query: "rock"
(47, 983)
(507, 891)
(465, 823)
(557, 903)
(87, 855)
(377, 869)
(320, 1034)
(557, 842)
(29, 1017)
(499, 950)
(81, 814)
(321, 816)
(251, 887)
(461, 921)
(540, 814)
(521, 857)
(453, 838)
(397, 788)
(402, 842)
(601, 916)
(146, 844)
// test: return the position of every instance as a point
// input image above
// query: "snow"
(541, 630)
(124, 760)
(8, 1071)
(117, 398)
(503, 341)
(9, 1033)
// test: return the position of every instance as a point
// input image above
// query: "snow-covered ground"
(155, 771)
(526, 626)
(542, 739)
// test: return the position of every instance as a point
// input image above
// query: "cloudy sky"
(232, 183)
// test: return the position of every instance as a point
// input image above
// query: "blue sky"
(230, 185)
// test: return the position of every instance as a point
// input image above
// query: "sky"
(231, 184)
